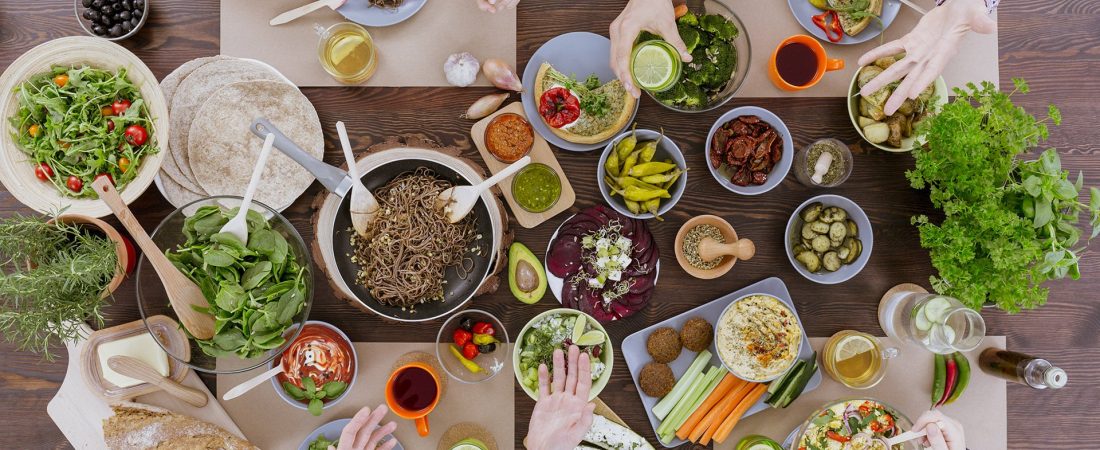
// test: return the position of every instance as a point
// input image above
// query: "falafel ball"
(656, 379)
(696, 334)
(663, 345)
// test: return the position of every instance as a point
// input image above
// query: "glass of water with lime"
(939, 323)
(655, 65)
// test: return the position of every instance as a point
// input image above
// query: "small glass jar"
(347, 52)
(522, 181)
(804, 168)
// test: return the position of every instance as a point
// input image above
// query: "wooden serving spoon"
(136, 368)
(363, 204)
(182, 292)
(457, 201)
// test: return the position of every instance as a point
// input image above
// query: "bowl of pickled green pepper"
(642, 174)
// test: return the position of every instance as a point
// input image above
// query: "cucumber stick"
(663, 407)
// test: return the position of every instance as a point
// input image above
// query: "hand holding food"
(562, 414)
(944, 433)
(928, 48)
(494, 6)
(654, 16)
(365, 433)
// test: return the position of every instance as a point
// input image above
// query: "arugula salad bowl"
(260, 292)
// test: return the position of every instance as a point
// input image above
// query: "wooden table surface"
(1053, 44)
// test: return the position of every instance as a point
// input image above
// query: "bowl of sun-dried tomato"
(509, 137)
(749, 150)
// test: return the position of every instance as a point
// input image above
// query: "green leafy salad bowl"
(259, 291)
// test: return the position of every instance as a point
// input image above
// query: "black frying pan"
(458, 290)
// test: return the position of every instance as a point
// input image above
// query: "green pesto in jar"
(536, 188)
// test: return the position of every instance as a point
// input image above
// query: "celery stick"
(688, 404)
(686, 400)
(666, 404)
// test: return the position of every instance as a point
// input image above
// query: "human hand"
(493, 6)
(562, 414)
(928, 48)
(944, 433)
(654, 16)
(363, 433)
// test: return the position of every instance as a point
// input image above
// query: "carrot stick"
(680, 10)
(714, 416)
(735, 416)
(728, 383)
(724, 414)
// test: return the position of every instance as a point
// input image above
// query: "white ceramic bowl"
(778, 173)
(866, 236)
(330, 403)
(939, 98)
(665, 149)
(17, 169)
(718, 328)
(608, 355)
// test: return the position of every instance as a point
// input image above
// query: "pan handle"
(335, 180)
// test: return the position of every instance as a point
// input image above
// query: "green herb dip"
(536, 188)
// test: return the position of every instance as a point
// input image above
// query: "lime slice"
(853, 346)
(578, 329)
(655, 66)
(469, 444)
(593, 337)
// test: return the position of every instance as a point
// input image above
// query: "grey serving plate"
(578, 53)
(634, 352)
(361, 12)
(804, 12)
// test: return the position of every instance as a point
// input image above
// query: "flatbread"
(194, 90)
(222, 150)
(176, 194)
(168, 86)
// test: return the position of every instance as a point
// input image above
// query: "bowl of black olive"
(111, 19)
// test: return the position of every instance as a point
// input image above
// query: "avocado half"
(526, 277)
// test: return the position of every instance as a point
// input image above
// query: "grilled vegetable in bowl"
(897, 132)
(749, 150)
(828, 239)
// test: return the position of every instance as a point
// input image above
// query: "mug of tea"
(412, 392)
(799, 63)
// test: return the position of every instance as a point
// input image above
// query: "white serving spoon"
(363, 204)
(457, 201)
(238, 225)
(887, 443)
(247, 385)
(305, 9)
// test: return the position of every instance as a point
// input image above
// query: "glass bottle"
(1020, 368)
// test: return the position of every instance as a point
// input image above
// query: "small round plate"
(362, 13)
(331, 431)
(554, 282)
(580, 54)
(804, 12)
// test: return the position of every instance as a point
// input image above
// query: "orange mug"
(412, 392)
(823, 63)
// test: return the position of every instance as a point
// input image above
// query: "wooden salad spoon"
(182, 292)
(136, 368)
(363, 204)
(457, 201)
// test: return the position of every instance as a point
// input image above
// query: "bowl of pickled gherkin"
(642, 174)
(829, 239)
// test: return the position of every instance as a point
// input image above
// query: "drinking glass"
(939, 323)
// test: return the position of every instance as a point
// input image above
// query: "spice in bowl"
(536, 188)
(693, 238)
(509, 137)
(825, 163)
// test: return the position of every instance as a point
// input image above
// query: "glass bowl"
(741, 68)
(802, 165)
(531, 168)
(491, 363)
(901, 420)
(153, 300)
(86, 24)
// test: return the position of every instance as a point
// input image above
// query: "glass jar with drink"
(855, 359)
(936, 322)
(347, 52)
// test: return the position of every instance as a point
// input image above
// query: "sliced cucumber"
(936, 308)
(944, 333)
(922, 322)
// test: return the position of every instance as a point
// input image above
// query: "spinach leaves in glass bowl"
(255, 289)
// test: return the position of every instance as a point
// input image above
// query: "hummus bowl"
(758, 337)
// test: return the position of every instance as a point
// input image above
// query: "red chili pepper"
(43, 172)
(469, 351)
(461, 337)
(833, 30)
(484, 328)
(836, 437)
(135, 135)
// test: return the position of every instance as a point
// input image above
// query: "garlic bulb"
(461, 69)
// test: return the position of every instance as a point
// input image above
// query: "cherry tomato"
(877, 427)
(484, 328)
(109, 177)
(34, 130)
(61, 80)
(559, 107)
(135, 135)
(131, 253)
(106, 111)
(74, 183)
(123, 164)
(64, 144)
(120, 106)
(110, 126)
(865, 410)
(43, 171)
(469, 351)
(461, 337)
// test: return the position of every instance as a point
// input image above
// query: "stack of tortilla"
(212, 102)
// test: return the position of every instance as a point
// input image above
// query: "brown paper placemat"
(411, 53)
(272, 424)
(770, 22)
(982, 409)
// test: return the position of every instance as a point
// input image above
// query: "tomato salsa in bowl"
(319, 368)
(509, 137)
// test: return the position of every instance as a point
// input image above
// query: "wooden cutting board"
(79, 412)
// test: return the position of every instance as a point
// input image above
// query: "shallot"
(461, 69)
(485, 105)
(501, 75)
